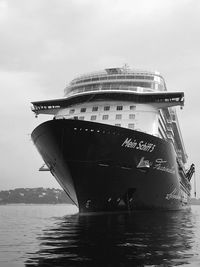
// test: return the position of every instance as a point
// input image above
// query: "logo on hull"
(144, 164)
(175, 194)
(160, 164)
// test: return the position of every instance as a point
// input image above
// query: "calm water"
(55, 235)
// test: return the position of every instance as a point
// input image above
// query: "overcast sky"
(45, 43)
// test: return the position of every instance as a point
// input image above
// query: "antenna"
(195, 191)
(125, 67)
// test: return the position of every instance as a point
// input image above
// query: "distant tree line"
(34, 196)
(195, 201)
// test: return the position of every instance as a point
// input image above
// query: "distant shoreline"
(36, 204)
(40, 196)
(194, 201)
(43, 196)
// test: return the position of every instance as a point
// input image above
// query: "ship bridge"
(117, 79)
(156, 99)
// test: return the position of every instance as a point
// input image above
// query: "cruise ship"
(114, 142)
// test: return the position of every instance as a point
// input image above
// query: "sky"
(44, 44)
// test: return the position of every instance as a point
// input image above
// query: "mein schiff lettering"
(142, 145)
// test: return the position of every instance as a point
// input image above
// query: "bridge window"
(132, 107)
(131, 125)
(106, 108)
(119, 107)
(83, 109)
(131, 116)
(118, 116)
(71, 111)
(93, 117)
(95, 109)
(105, 117)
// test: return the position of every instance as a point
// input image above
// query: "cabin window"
(83, 109)
(71, 111)
(132, 107)
(119, 107)
(118, 124)
(131, 125)
(81, 118)
(93, 117)
(94, 108)
(106, 108)
(131, 116)
(105, 117)
(118, 116)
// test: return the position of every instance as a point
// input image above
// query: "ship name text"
(142, 145)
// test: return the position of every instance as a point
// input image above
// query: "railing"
(123, 72)
(104, 88)
(190, 172)
(112, 77)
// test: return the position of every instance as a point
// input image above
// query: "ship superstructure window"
(161, 134)
(83, 109)
(118, 124)
(71, 111)
(110, 86)
(131, 116)
(132, 107)
(127, 77)
(81, 118)
(118, 116)
(105, 117)
(106, 108)
(131, 125)
(119, 107)
(93, 117)
(94, 108)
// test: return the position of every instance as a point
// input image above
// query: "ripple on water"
(47, 235)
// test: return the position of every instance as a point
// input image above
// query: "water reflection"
(136, 239)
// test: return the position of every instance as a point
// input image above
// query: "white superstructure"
(132, 99)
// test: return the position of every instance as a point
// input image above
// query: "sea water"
(56, 235)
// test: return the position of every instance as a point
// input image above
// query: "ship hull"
(107, 168)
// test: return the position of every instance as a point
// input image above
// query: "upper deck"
(121, 86)
(117, 79)
(118, 84)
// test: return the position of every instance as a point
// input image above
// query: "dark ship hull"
(108, 168)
